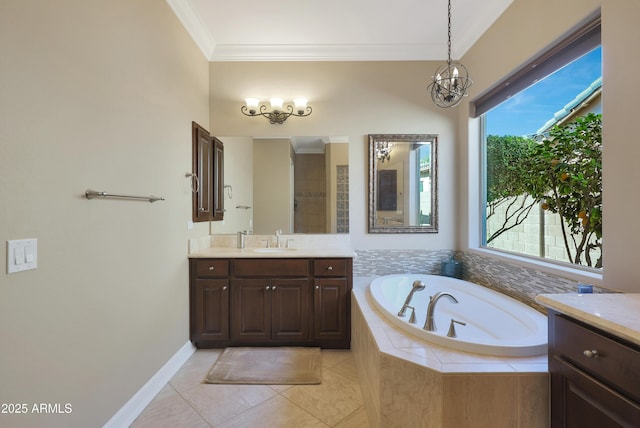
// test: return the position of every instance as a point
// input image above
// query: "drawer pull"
(330, 268)
(211, 268)
(591, 353)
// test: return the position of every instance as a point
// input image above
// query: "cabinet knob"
(211, 268)
(591, 353)
(273, 287)
(267, 288)
(330, 268)
(317, 287)
(224, 288)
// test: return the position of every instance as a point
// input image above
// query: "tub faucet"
(417, 286)
(430, 322)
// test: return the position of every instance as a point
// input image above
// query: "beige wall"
(522, 31)
(238, 155)
(272, 186)
(99, 95)
(351, 99)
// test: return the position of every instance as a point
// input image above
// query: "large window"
(543, 154)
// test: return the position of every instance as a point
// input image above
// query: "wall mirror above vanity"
(297, 184)
(403, 183)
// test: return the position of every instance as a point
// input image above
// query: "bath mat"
(267, 366)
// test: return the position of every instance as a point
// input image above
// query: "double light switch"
(22, 254)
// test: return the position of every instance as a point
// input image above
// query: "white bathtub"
(495, 324)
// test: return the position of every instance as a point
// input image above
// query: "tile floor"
(187, 402)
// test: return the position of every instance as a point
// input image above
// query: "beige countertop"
(615, 313)
(302, 246)
(227, 252)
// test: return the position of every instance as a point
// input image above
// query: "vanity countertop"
(615, 313)
(234, 253)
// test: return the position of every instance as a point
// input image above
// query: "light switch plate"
(22, 254)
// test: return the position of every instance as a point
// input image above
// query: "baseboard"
(136, 404)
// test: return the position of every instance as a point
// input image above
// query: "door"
(250, 310)
(211, 308)
(290, 310)
(329, 309)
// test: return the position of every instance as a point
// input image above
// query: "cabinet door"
(211, 310)
(203, 168)
(290, 310)
(579, 401)
(330, 309)
(218, 180)
(250, 310)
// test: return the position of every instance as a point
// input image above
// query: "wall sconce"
(277, 114)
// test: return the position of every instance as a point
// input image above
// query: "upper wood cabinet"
(208, 167)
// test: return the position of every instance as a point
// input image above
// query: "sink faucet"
(278, 233)
(417, 286)
(430, 323)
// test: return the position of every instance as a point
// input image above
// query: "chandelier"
(451, 80)
(277, 114)
(383, 150)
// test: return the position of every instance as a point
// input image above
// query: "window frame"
(576, 42)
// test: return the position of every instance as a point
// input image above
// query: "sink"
(273, 250)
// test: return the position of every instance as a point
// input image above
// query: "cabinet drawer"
(615, 364)
(330, 267)
(212, 268)
(271, 267)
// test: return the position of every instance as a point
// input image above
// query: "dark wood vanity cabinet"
(595, 377)
(273, 301)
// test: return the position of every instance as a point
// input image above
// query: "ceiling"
(334, 30)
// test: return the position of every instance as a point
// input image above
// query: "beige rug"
(274, 366)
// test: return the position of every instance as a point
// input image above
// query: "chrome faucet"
(430, 323)
(278, 233)
(417, 286)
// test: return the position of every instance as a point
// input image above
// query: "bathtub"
(495, 324)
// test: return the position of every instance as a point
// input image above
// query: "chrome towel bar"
(90, 194)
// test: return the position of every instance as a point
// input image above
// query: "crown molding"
(342, 52)
(193, 25)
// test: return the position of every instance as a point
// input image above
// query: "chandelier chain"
(449, 35)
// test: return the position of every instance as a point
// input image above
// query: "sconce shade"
(279, 113)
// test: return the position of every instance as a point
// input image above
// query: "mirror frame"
(373, 172)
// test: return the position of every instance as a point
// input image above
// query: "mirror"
(403, 184)
(297, 184)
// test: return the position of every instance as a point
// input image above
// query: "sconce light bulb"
(300, 104)
(276, 103)
(252, 105)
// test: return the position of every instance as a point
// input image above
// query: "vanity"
(270, 297)
(594, 359)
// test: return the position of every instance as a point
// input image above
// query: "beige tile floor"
(187, 402)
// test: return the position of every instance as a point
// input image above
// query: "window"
(543, 154)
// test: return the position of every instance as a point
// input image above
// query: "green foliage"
(568, 175)
(507, 180)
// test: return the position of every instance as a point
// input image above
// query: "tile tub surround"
(518, 282)
(409, 382)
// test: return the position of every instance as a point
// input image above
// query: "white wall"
(353, 99)
(99, 95)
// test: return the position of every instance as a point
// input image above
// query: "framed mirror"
(403, 183)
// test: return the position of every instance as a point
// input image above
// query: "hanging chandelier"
(451, 80)
(383, 150)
